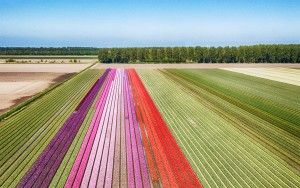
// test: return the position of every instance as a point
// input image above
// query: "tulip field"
(158, 128)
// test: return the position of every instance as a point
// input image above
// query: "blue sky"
(120, 23)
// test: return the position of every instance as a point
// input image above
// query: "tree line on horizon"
(277, 53)
(242, 54)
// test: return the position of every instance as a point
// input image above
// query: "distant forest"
(242, 54)
(48, 51)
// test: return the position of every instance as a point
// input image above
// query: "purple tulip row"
(42, 171)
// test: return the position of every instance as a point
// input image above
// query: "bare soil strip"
(16, 87)
(54, 68)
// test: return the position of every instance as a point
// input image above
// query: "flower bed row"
(43, 170)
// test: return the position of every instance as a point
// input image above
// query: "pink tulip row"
(112, 153)
(79, 166)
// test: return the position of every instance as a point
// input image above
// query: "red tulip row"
(167, 163)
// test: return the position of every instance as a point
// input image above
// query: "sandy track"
(193, 66)
(54, 68)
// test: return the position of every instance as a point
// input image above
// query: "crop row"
(43, 170)
(25, 135)
(85, 149)
(220, 154)
(64, 169)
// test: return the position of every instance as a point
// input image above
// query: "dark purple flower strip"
(58, 155)
(40, 167)
(45, 180)
(56, 159)
(46, 159)
(52, 156)
(47, 153)
(44, 155)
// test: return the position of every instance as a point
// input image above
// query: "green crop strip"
(265, 98)
(25, 135)
(281, 142)
(221, 154)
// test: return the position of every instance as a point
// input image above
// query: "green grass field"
(236, 130)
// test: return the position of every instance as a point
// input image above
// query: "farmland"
(150, 94)
(43, 59)
(21, 82)
(289, 76)
(55, 68)
(228, 142)
(192, 127)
